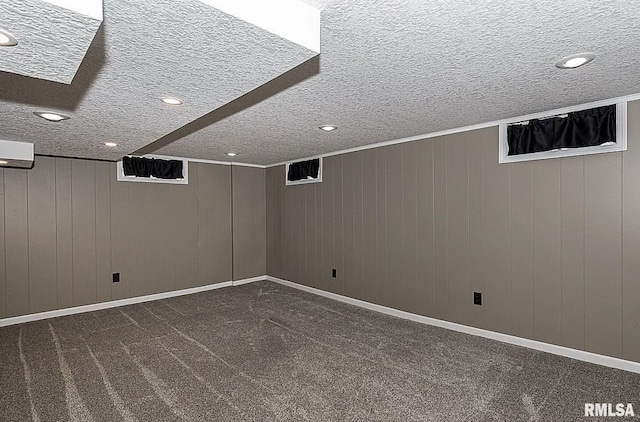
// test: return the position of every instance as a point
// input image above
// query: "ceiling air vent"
(575, 132)
(307, 171)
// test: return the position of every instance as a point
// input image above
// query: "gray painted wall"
(67, 225)
(249, 222)
(553, 245)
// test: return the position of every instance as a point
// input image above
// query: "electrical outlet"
(477, 298)
(116, 277)
(334, 273)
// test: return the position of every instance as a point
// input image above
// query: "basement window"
(301, 172)
(153, 170)
(576, 132)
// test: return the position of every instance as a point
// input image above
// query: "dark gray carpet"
(266, 352)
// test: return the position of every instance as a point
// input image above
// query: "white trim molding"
(123, 302)
(494, 123)
(249, 280)
(597, 359)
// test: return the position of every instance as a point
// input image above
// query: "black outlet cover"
(116, 277)
(334, 273)
(477, 298)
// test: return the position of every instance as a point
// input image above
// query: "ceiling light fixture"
(328, 128)
(172, 101)
(111, 144)
(52, 117)
(575, 60)
(7, 40)
(3, 162)
(232, 154)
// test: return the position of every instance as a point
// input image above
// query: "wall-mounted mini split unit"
(16, 154)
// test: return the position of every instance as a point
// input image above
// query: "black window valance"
(302, 170)
(147, 167)
(579, 129)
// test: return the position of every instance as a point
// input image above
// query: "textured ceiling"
(393, 69)
(52, 40)
(388, 70)
(144, 50)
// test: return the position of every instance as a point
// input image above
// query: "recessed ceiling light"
(575, 60)
(111, 144)
(172, 101)
(232, 154)
(3, 162)
(52, 117)
(7, 40)
(328, 128)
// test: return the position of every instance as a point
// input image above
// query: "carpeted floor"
(266, 352)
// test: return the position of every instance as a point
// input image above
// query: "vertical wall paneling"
(155, 241)
(64, 233)
(16, 242)
(380, 228)
(572, 176)
(410, 226)
(214, 218)
(631, 239)
(425, 297)
(327, 282)
(441, 292)
(138, 226)
(311, 236)
(369, 225)
(347, 225)
(522, 268)
(120, 232)
(83, 208)
(103, 230)
(41, 219)
(3, 280)
(547, 249)
(338, 225)
(476, 223)
(459, 294)
(357, 281)
(497, 226)
(395, 289)
(249, 222)
(551, 244)
(603, 254)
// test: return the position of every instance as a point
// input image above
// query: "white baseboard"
(249, 280)
(123, 302)
(505, 338)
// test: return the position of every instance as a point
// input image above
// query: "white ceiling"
(53, 39)
(388, 70)
(144, 50)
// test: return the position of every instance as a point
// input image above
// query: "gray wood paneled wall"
(249, 222)
(67, 225)
(553, 245)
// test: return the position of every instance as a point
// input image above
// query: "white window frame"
(620, 145)
(303, 181)
(184, 181)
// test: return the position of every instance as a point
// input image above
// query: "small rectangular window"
(580, 132)
(152, 170)
(300, 172)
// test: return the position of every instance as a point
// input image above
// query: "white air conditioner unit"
(16, 154)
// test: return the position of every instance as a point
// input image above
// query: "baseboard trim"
(122, 302)
(249, 280)
(597, 359)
